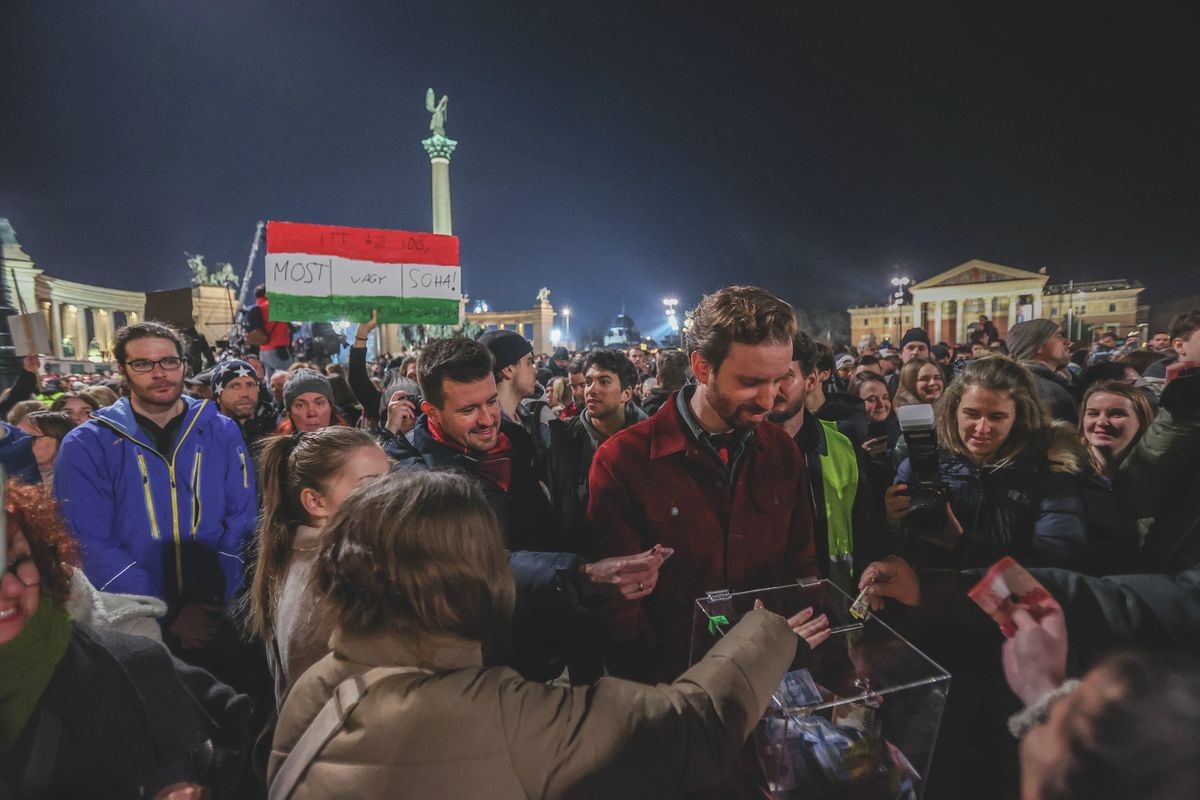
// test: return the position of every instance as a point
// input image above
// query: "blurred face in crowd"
(638, 356)
(45, 448)
(1160, 342)
(278, 379)
(160, 387)
(861, 368)
(1108, 340)
(985, 418)
(846, 372)
(523, 375)
(79, 410)
(363, 465)
(1188, 347)
(743, 390)
(603, 394)
(793, 391)
(469, 416)
(310, 411)
(886, 366)
(259, 370)
(914, 350)
(978, 349)
(239, 398)
(878, 402)
(18, 601)
(1110, 422)
(1056, 351)
(930, 383)
(578, 386)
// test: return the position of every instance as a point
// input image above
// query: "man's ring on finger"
(641, 586)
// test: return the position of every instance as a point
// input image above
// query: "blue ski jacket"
(170, 525)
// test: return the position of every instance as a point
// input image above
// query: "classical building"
(82, 319)
(949, 304)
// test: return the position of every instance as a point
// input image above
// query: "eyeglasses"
(24, 569)
(169, 364)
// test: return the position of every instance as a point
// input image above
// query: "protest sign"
(327, 272)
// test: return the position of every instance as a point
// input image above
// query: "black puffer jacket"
(1030, 510)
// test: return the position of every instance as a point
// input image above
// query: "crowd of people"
(470, 570)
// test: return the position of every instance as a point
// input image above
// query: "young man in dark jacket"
(609, 380)
(705, 475)
(1039, 346)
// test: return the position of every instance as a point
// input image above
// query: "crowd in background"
(498, 551)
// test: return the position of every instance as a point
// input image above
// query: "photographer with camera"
(990, 478)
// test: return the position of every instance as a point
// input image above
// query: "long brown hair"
(906, 392)
(287, 466)
(1141, 410)
(1030, 432)
(419, 553)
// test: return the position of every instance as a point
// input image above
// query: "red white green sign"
(326, 272)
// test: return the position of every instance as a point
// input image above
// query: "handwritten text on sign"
(304, 275)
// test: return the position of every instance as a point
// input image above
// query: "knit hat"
(397, 383)
(508, 347)
(845, 359)
(231, 370)
(303, 381)
(1026, 338)
(561, 354)
(915, 335)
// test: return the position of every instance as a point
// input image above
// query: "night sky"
(609, 151)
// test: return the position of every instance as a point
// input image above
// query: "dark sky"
(610, 151)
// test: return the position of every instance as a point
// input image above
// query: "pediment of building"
(978, 271)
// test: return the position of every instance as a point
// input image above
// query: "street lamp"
(669, 304)
(555, 337)
(900, 284)
(566, 313)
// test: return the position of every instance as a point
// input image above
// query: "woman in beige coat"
(413, 567)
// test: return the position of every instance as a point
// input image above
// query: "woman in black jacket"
(92, 713)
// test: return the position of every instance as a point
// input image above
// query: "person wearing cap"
(199, 385)
(307, 403)
(1039, 346)
(517, 386)
(844, 370)
(558, 362)
(914, 344)
(235, 389)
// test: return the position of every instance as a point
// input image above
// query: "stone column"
(439, 148)
(959, 326)
(1037, 305)
(81, 350)
(56, 331)
(1014, 303)
(937, 321)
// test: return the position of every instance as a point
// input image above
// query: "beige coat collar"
(397, 650)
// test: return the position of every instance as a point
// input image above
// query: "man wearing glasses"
(159, 490)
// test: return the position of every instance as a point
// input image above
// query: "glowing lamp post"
(900, 285)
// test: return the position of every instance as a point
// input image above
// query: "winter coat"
(121, 718)
(171, 526)
(1031, 510)
(1113, 538)
(849, 413)
(655, 483)
(124, 613)
(1160, 478)
(463, 731)
(16, 454)
(524, 512)
(573, 443)
(1054, 392)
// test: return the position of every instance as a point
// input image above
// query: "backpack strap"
(348, 694)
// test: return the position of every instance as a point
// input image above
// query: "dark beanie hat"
(1026, 338)
(915, 335)
(231, 370)
(303, 381)
(508, 347)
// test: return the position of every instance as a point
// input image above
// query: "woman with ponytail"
(304, 478)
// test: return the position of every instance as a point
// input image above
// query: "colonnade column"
(56, 332)
(937, 321)
(81, 348)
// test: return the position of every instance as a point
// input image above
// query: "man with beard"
(159, 490)
(706, 477)
(609, 378)
(236, 388)
(845, 531)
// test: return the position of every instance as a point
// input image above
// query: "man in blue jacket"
(159, 490)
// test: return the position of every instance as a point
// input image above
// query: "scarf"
(27, 663)
(495, 466)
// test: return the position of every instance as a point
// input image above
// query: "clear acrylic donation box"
(859, 721)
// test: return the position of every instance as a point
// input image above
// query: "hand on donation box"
(196, 624)
(812, 631)
(182, 791)
(1035, 657)
(401, 414)
(633, 577)
(893, 577)
(875, 448)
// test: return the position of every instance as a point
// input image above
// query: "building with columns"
(950, 303)
(82, 319)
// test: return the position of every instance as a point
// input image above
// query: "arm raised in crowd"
(1165, 459)
(619, 738)
(85, 494)
(360, 382)
(23, 387)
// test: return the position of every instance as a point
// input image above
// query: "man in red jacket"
(709, 477)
